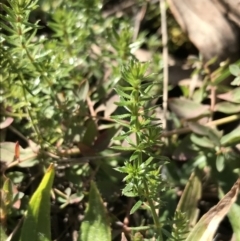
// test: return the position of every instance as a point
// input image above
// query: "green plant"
(143, 177)
(143, 169)
(235, 70)
(57, 105)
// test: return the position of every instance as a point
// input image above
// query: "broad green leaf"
(199, 95)
(220, 162)
(208, 224)
(232, 96)
(187, 109)
(233, 216)
(95, 225)
(188, 203)
(227, 107)
(211, 133)
(220, 75)
(236, 81)
(231, 138)
(37, 221)
(202, 141)
(234, 69)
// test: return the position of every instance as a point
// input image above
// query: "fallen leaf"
(110, 105)
(123, 237)
(7, 122)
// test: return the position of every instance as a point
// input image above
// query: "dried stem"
(162, 4)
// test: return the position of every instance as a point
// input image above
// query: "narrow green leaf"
(231, 138)
(220, 162)
(122, 148)
(136, 206)
(36, 224)
(221, 74)
(8, 191)
(123, 94)
(7, 28)
(7, 10)
(123, 103)
(95, 225)
(188, 204)
(120, 117)
(213, 134)
(122, 123)
(187, 109)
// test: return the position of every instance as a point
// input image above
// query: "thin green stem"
(137, 125)
(154, 213)
(140, 160)
(140, 228)
(10, 114)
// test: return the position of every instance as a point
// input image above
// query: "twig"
(15, 229)
(162, 4)
(139, 18)
(14, 130)
(211, 123)
(90, 106)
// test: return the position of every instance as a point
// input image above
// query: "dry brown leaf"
(123, 237)
(208, 224)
